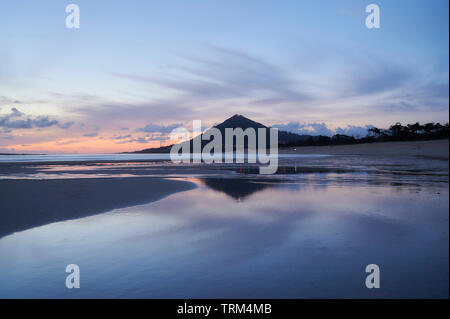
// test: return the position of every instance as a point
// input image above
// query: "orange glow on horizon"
(85, 146)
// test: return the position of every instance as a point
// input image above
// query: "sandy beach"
(143, 228)
(437, 149)
(30, 203)
(42, 193)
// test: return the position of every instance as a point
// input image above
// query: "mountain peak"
(238, 120)
(233, 122)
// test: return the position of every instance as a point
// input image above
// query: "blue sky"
(307, 63)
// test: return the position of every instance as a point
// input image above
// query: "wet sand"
(233, 229)
(30, 203)
(51, 192)
(437, 149)
(246, 238)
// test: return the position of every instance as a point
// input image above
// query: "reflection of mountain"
(236, 188)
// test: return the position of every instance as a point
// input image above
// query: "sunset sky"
(137, 69)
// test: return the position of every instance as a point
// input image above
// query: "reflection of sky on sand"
(280, 240)
(351, 169)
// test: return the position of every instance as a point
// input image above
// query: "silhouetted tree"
(374, 130)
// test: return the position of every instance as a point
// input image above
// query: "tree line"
(396, 132)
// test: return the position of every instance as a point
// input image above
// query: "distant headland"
(396, 132)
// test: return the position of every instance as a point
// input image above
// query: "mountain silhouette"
(241, 121)
(397, 132)
(234, 122)
(237, 121)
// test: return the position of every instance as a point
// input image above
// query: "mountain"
(240, 121)
(397, 132)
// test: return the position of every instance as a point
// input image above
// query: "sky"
(134, 70)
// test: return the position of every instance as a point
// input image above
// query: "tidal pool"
(306, 237)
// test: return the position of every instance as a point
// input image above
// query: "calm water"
(114, 157)
(309, 236)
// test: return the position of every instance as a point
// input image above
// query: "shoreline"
(29, 203)
(433, 149)
(33, 203)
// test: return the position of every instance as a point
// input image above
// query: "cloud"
(202, 87)
(132, 140)
(42, 121)
(18, 120)
(355, 131)
(141, 140)
(379, 77)
(4, 100)
(219, 81)
(396, 106)
(150, 128)
(91, 134)
(429, 96)
(305, 128)
(67, 142)
(228, 74)
(322, 129)
(160, 137)
(65, 125)
(118, 114)
(121, 137)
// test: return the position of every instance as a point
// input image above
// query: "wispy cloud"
(228, 74)
(150, 128)
(4, 100)
(94, 134)
(380, 76)
(121, 137)
(140, 140)
(18, 120)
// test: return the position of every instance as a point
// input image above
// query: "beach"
(433, 149)
(200, 151)
(39, 193)
(149, 228)
(30, 203)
